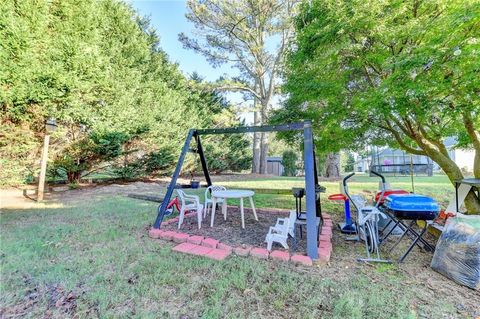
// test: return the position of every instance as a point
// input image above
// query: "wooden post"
(43, 168)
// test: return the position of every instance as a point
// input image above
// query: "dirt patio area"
(230, 231)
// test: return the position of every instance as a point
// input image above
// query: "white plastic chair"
(279, 233)
(189, 202)
(208, 198)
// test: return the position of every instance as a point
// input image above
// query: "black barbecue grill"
(299, 193)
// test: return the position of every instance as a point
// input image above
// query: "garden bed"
(230, 231)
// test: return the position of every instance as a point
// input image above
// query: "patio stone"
(242, 251)
(324, 253)
(327, 244)
(167, 235)
(327, 231)
(301, 260)
(180, 237)
(155, 233)
(261, 253)
(197, 240)
(200, 250)
(225, 247)
(280, 255)
(327, 223)
(210, 242)
(324, 237)
(218, 254)
(184, 247)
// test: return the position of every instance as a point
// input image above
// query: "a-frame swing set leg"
(203, 161)
(163, 206)
(171, 187)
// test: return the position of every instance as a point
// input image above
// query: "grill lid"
(412, 203)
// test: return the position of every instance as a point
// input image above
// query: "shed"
(274, 165)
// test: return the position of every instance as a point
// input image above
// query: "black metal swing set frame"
(311, 179)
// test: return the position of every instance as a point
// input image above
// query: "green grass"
(99, 250)
(438, 187)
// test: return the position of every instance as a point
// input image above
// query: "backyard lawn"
(438, 186)
(87, 254)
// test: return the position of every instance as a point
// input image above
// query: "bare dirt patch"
(59, 300)
(230, 231)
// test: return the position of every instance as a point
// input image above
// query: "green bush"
(349, 163)
(129, 171)
(87, 152)
(110, 87)
(160, 161)
(289, 162)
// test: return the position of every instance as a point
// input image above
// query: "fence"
(404, 169)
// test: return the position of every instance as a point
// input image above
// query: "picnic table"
(229, 194)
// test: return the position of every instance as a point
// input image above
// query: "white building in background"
(397, 158)
(463, 158)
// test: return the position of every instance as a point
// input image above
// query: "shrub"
(289, 162)
(129, 171)
(158, 161)
(92, 149)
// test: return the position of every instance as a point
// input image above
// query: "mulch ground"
(230, 231)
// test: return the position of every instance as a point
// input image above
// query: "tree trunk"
(256, 145)
(472, 202)
(437, 151)
(476, 164)
(73, 177)
(332, 165)
(263, 153)
(474, 135)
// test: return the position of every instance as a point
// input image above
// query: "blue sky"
(168, 17)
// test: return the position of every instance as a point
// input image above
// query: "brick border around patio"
(213, 249)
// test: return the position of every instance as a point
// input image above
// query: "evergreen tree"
(97, 67)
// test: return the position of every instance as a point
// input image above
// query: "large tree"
(97, 67)
(251, 36)
(406, 73)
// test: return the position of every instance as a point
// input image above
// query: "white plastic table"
(232, 193)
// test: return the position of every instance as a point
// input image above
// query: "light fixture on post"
(50, 127)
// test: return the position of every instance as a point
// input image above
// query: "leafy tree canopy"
(405, 73)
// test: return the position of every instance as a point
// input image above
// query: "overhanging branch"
(388, 127)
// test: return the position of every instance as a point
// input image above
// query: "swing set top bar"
(311, 178)
(247, 129)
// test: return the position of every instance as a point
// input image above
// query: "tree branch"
(236, 88)
(400, 140)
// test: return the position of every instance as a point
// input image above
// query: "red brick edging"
(214, 249)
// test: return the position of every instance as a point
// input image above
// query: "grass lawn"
(93, 258)
(438, 187)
